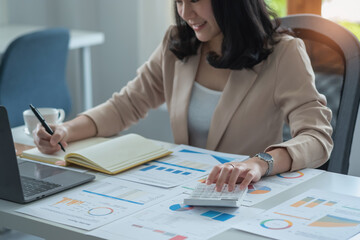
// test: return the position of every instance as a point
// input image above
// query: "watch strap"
(268, 159)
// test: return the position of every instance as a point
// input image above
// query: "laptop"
(23, 181)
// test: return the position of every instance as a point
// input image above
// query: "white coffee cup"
(51, 116)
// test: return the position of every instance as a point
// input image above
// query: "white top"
(202, 105)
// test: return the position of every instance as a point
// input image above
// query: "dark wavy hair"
(249, 34)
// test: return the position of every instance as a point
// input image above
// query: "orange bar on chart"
(69, 201)
(74, 202)
(64, 200)
(315, 203)
(330, 203)
(302, 202)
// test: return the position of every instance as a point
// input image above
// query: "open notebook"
(110, 156)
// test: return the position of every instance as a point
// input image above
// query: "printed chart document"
(356, 237)
(269, 186)
(173, 220)
(99, 203)
(184, 164)
(315, 214)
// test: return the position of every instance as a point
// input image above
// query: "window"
(344, 12)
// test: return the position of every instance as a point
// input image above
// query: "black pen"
(43, 123)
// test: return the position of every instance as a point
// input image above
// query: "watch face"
(265, 156)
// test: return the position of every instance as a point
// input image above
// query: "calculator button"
(206, 195)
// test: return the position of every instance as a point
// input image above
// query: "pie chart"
(180, 207)
(255, 189)
(100, 211)
(291, 175)
(276, 224)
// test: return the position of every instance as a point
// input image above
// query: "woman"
(230, 80)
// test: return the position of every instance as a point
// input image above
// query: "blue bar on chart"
(112, 197)
(148, 168)
(170, 170)
(224, 217)
(221, 159)
(211, 214)
(218, 216)
(199, 167)
(160, 168)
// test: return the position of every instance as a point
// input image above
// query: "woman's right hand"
(47, 143)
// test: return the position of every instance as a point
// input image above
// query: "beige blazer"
(251, 111)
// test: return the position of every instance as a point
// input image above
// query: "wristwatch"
(267, 158)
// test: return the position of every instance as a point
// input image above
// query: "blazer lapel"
(184, 78)
(234, 92)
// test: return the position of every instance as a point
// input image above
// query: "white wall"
(132, 28)
(153, 18)
(3, 12)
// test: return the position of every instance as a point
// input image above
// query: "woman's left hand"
(232, 173)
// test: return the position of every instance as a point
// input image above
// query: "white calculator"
(206, 195)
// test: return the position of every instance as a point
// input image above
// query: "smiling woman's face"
(198, 14)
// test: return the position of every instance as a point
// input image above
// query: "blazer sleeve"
(304, 109)
(132, 103)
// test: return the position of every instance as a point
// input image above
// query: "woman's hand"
(76, 129)
(248, 171)
(232, 173)
(47, 143)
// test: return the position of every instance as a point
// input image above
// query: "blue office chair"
(33, 71)
(335, 57)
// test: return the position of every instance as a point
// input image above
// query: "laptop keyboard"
(33, 186)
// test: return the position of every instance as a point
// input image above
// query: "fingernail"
(60, 163)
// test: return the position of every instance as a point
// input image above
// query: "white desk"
(8, 218)
(79, 39)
